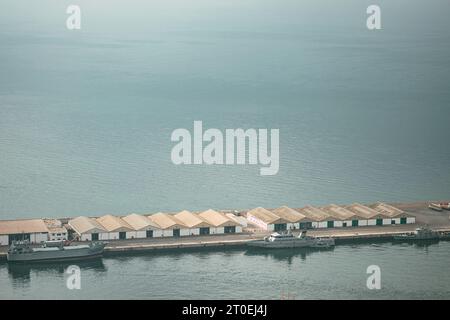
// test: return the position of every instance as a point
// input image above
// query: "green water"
(86, 118)
(407, 272)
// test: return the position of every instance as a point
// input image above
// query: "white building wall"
(103, 236)
(362, 223)
(411, 220)
(322, 224)
(4, 240)
(242, 221)
(270, 227)
(337, 223)
(315, 224)
(131, 235)
(194, 231)
(397, 220)
(258, 222)
(157, 233)
(292, 226)
(220, 230)
(238, 229)
(113, 235)
(54, 236)
(86, 237)
(387, 222)
(38, 237)
(142, 234)
(372, 222)
(349, 223)
(184, 232)
(167, 233)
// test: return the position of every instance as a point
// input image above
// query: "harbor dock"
(423, 217)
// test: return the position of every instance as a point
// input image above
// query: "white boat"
(445, 205)
(288, 240)
(435, 206)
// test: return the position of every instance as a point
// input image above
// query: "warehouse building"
(267, 220)
(33, 230)
(319, 218)
(116, 228)
(220, 222)
(143, 226)
(368, 216)
(342, 216)
(393, 215)
(169, 225)
(88, 229)
(196, 224)
(239, 219)
(295, 219)
(56, 231)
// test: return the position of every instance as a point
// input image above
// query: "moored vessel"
(445, 205)
(435, 206)
(419, 234)
(288, 240)
(22, 251)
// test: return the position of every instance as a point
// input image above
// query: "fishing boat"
(288, 240)
(435, 206)
(445, 205)
(23, 251)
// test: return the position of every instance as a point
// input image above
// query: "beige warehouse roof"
(364, 211)
(289, 214)
(315, 214)
(167, 221)
(388, 210)
(86, 225)
(22, 226)
(266, 216)
(239, 219)
(139, 222)
(54, 226)
(217, 219)
(114, 224)
(339, 212)
(192, 220)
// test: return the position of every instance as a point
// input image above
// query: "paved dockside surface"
(424, 217)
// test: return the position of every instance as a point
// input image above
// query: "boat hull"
(414, 238)
(59, 255)
(296, 243)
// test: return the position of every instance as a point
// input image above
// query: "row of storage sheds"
(331, 216)
(135, 226)
(33, 230)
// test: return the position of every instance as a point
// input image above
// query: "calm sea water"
(86, 118)
(420, 273)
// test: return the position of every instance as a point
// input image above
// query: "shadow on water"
(285, 254)
(199, 252)
(22, 271)
(420, 244)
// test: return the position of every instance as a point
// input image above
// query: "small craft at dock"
(435, 206)
(445, 205)
(287, 240)
(419, 234)
(22, 251)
